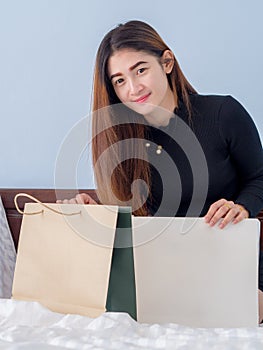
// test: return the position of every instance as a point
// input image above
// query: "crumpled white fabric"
(28, 325)
(7, 256)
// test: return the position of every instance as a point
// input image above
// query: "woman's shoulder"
(211, 100)
(226, 112)
(219, 106)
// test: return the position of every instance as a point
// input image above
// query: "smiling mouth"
(143, 98)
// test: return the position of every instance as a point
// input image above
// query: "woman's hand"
(81, 198)
(226, 210)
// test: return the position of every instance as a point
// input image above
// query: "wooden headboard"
(50, 196)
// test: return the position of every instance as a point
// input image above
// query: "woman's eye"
(118, 81)
(141, 70)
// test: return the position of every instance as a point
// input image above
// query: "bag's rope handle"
(38, 201)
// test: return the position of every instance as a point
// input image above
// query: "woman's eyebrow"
(130, 69)
(136, 65)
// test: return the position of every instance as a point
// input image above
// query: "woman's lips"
(143, 98)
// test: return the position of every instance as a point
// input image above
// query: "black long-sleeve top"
(229, 163)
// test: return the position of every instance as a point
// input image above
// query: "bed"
(28, 325)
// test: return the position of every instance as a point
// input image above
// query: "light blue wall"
(47, 51)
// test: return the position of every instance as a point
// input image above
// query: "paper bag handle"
(38, 201)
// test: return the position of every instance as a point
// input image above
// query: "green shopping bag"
(121, 291)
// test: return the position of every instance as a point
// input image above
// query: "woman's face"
(140, 81)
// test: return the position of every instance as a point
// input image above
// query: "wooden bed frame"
(50, 196)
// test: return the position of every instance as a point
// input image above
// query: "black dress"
(217, 154)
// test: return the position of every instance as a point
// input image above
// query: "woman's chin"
(141, 108)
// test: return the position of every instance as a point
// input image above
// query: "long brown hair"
(115, 175)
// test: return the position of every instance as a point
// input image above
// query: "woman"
(135, 67)
(140, 100)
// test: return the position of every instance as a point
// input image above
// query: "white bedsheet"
(28, 325)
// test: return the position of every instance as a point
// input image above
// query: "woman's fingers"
(243, 214)
(232, 213)
(224, 212)
(84, 198)
(67, 201)
(217, 210)
(81, 198)
(71, 201)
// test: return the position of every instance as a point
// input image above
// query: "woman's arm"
(240, 136)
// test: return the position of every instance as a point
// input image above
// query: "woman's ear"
(167, 61)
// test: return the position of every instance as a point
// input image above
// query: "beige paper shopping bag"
(64, 261)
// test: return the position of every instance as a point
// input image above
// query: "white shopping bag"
(189, 273)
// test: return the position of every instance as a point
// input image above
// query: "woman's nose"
(135, 87)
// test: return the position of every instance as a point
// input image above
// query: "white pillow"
(7, 255)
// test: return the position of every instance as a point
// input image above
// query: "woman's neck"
(161, 115)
